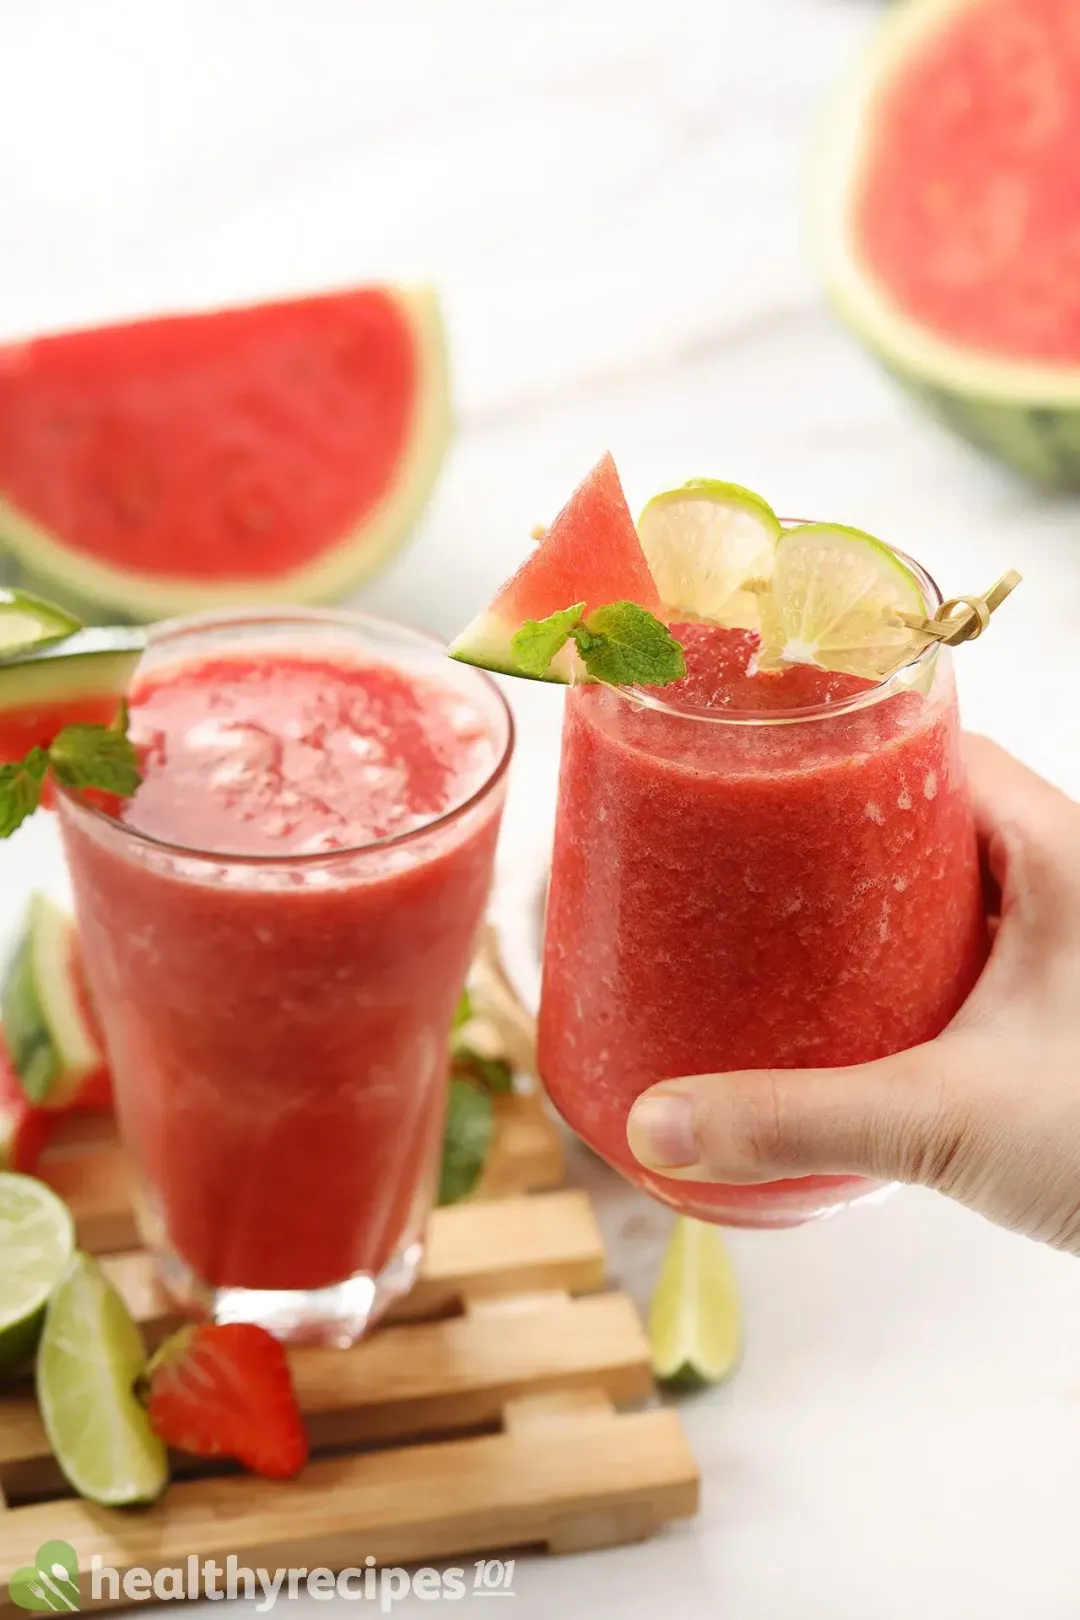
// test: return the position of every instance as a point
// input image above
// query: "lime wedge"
(27, 621)
(37, 1239)
(90, 1356)
(835, 602)
(694, 1320)
(704, 544)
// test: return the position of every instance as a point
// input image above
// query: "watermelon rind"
(88, 663)
(486, 643)
(1025, 414)
(100, 590)
(49, 1039)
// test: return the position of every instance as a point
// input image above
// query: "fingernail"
(660, 1131)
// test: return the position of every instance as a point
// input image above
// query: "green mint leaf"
(470, 1127)
(20, 789)
(492, 1073)
(463, 1011)
(624, 645)
(540, 640)
(83, 756)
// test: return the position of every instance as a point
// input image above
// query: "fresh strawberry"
(224, 1390)
(24, 1129)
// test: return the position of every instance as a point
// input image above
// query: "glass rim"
(349, 618)
(648, 697)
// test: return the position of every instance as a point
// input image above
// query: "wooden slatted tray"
(483, 1416)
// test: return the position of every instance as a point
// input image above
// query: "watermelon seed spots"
(875, 813)
(930, 785)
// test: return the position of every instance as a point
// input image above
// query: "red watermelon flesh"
(591, 553)
(177, 461)
(36, 725)
(968, 207)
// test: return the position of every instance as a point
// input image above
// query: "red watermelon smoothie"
(277, 927)
(753, 872)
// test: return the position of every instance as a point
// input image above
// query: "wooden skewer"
(963, 618)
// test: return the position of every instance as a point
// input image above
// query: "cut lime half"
(91, 1355)
(836, 601)
(29, 621)
(37, 1240)
(695, 1326)
(705, 544)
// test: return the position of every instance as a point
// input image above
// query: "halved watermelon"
(276, 453)
(947, 213)
(591, 554)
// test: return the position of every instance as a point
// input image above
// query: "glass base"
(766, 1207)
(335, 1317)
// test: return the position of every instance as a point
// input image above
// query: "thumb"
(902, 1118)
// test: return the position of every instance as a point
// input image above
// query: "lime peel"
(37, 1240)
(90, 1358)
(836, 601)
(709, 546)
(695, 1321)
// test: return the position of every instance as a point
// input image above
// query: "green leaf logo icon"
(51, 1584)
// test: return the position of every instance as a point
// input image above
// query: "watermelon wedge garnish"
(276, 453)
(79, 681)
(590, 554)
(947, 219)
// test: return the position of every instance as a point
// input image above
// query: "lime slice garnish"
(37, 1240)
(90, 1356)
(835, 601)
(705, 543)
(27, 621)
(695, 1328)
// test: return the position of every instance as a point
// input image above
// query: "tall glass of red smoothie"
(753, 871)
(277, 927)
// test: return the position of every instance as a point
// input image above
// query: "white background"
(610, 198)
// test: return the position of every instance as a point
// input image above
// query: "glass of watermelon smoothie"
(754, 872)
(277, 927)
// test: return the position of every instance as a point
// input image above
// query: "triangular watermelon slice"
(276, 453)
(591, 554)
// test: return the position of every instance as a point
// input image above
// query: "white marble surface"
(610, 198)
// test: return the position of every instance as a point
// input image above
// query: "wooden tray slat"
(548, 1485)
(548, 1241)
(534, 1351)
(428, 1377)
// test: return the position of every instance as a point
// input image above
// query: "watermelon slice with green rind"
(947, 219)
(52, 1041)
(271, 454)
(80, 680)
(591, 554)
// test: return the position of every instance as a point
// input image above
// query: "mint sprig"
(621, 644)
(469, 1131)
(79, 756)
(539, 641)
(21, 785)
